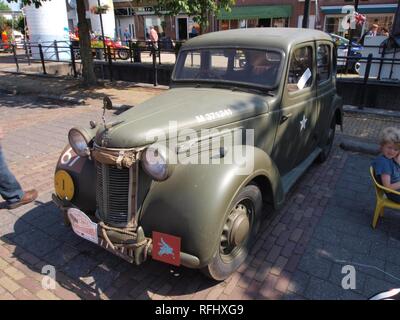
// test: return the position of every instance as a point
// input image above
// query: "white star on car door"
(303, 123)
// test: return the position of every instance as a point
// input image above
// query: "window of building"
(301, 69)
(383, 21)
(157, 22)
(280, 22)
(252, 23)
(264, 23)
(234, 24)
(224, 25)
(323, 63)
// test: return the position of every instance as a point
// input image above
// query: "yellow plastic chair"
(381, 200)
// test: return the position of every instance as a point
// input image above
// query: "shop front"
(138, 20)
(255, 16)
(380, 14)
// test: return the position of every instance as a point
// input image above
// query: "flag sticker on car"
(166, 248)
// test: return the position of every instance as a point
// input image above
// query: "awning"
(366, 8)
(254, 12)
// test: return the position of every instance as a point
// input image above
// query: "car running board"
(290, 178)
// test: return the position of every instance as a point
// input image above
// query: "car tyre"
(123, 54)
(238, 234)
(326, 149)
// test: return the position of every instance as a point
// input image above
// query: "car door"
(325, 86)
(297, 121)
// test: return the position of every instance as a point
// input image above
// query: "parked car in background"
(342, 45)
(117, 49)
(18, 39)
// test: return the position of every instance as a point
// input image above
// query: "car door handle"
(285, 117)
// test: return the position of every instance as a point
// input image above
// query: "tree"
(88, 75)
(5, 24)
(200, 10)
(4, 6)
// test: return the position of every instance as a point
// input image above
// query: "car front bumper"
(136, 252)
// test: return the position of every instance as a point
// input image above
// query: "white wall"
(48, 23)
(108, 18)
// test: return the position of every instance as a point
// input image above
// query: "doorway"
(264, 23)
(182, 29)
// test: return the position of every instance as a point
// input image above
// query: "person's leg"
(393, 197)
(10, 189)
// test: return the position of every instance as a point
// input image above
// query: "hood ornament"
(107, 104)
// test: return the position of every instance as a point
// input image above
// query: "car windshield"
(340, 41)
(259, 68)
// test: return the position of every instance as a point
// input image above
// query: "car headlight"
(154, 163)
(79, 142)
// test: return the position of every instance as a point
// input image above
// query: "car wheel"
(326, 149)
(123, 54)
(238, 234)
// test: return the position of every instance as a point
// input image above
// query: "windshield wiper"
(263, 91)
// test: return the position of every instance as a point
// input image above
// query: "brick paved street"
(299, 254)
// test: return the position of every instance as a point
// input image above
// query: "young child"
(386, 165)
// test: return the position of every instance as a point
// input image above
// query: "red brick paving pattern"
(265, 275)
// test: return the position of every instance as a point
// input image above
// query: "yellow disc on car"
(64, 185)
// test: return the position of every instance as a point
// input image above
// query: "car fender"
(83, 173)
(337, 110)
(194, 201)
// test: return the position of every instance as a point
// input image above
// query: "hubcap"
(236, 229)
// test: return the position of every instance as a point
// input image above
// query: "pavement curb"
(354, 145)
(384, 113)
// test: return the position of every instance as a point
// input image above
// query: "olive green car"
(272, 87)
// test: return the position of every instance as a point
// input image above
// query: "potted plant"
(102, 9)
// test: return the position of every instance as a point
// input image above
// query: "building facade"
(326, 15)
(380, 12)
(137, 19)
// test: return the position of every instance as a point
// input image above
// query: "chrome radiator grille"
(114, 194)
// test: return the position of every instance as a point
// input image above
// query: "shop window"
(224, 25)
(252, 23)
(280, 22)
(264, 23)
(323, 63)
(382, 21)
(157, 22)
(234, 24)
(301, 69)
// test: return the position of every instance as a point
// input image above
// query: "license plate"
(82, 225)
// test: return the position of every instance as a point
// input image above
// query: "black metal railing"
(63, 51)
(165, 51)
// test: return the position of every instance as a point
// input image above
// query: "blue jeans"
(10, 189)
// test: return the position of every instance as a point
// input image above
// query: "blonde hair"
(390, 135)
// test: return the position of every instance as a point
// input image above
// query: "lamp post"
(396, 22)
(101, 26)
(351, 33)
(306, 13)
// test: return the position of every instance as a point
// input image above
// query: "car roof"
(282, 38)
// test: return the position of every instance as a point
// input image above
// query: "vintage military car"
(120, 187)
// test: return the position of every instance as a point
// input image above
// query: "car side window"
(301, 69)
(323, 62)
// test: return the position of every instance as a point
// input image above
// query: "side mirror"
(107, 104)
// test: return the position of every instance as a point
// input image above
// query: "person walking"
(10, 189)
(127, 36)
(154, 38)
